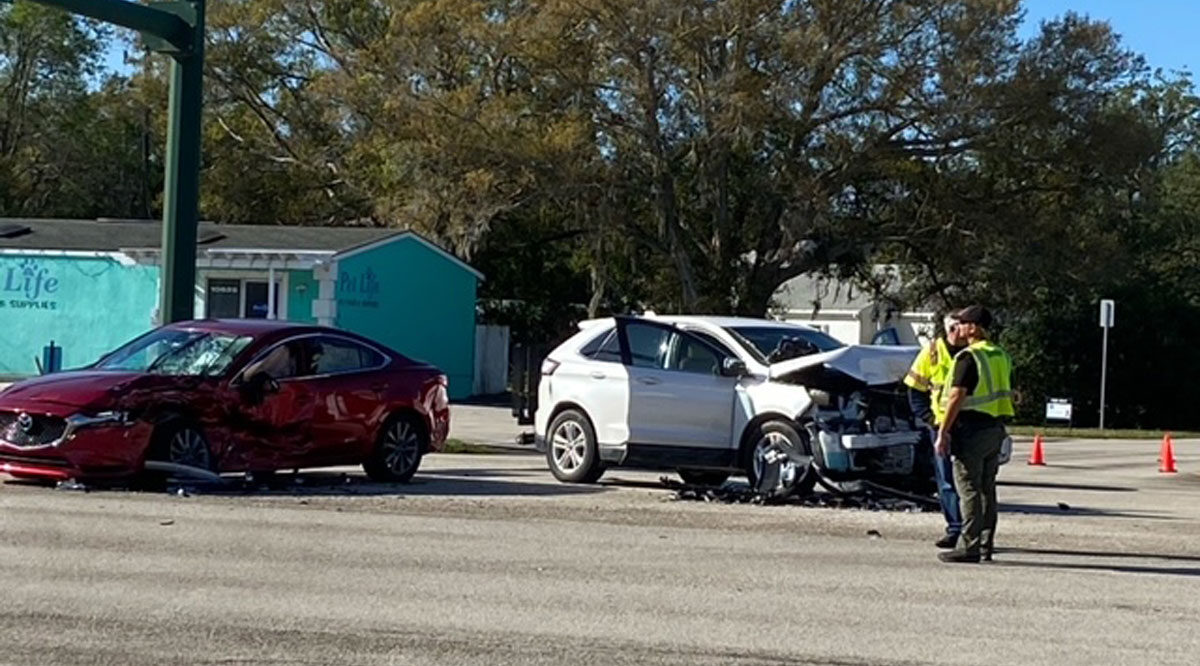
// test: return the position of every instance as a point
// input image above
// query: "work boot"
(986, 555)
(947, 542)
(959, 557)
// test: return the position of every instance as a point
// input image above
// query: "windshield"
(771, 344)
(176, 352)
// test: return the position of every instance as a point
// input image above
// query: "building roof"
(818, 293)
(142, 240)
(116, 235)
(807, 293)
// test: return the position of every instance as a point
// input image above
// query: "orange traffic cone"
(1037, 456)
(1166, 458)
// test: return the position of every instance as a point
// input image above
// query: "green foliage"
(56, 139)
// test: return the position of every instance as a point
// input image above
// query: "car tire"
(781, 436)
(698, 477)
(178, 442)
(397, 454)
(571, 450)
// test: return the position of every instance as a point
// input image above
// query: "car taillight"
(441, 398)
(549, 366)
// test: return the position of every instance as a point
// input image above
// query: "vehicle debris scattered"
(862, 495)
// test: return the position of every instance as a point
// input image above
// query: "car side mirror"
(733, 367)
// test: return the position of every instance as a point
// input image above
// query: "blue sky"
(1165, 31)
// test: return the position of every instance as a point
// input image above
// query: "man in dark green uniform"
(977, 402)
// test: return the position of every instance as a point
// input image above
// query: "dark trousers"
(976, 452)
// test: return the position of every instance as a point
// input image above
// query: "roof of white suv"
(733, 322)
(712, 320)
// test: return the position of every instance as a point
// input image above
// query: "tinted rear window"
(604, 347)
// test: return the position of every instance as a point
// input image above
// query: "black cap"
(975, 314)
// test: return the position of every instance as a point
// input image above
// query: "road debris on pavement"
(862, 495)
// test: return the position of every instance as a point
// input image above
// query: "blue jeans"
(943, 469)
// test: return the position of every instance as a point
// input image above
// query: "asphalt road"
(486, 560)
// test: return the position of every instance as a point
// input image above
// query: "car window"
(712, 340)
(333, 355)
(648, 345)
(689, 354)
(888, 336)
(604, 347)
(177, 353)
(284, 361)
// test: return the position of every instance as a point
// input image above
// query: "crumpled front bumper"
(96, 452)
(874, 453)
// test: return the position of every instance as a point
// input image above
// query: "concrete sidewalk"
(478, 424)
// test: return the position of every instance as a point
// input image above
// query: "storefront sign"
(359, 289)
(28, 286)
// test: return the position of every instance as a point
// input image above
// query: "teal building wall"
(415, 300)
(87, 306)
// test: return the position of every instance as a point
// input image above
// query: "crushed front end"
(870, 434)
(860, 426)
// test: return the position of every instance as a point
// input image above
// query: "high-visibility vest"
(993, 392)
(929, 373)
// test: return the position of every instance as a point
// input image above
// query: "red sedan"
(228, 396)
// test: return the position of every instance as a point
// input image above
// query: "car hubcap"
(570, 446)
(401, 448)
(773, 462)
(189, 448)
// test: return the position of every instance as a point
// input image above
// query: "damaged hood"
(870, 364)
(68, 391)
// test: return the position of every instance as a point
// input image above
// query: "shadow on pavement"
(1101, 553)
(618, 482)
(326, 484)
(342, 484)
(1078, 511)
(1117, 568)
(507, 472)
(1065, 486)
(1148, 567)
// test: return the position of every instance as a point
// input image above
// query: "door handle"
(596, 374)
(649, 381)
(379, 388)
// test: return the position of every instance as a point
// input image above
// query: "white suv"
(710, 396)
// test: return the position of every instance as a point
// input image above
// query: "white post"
(1103, 375)
(1107, 319)
(324, 307)
(270, 290)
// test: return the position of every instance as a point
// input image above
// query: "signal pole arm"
(149, 20)
(958, 395)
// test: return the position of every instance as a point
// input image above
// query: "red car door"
(348, 386)
(273, 428)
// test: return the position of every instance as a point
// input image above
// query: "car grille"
(42, 430)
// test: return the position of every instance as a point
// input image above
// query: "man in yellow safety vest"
(926, 380)
(978, 400)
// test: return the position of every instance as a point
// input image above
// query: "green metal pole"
(182, 187)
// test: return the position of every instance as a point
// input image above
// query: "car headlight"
(111, 417)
